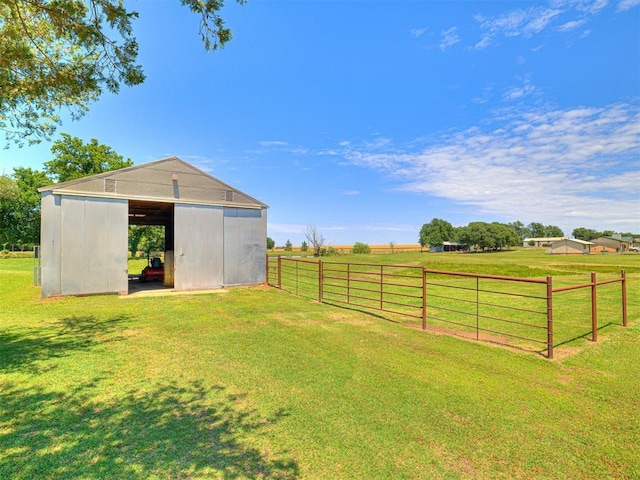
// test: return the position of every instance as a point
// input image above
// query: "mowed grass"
(257, 383)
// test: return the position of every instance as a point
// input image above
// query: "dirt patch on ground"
(484, 337)
(481, 336)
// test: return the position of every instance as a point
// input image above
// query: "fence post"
(424, 298)
(320, 280)
(623, 275)
(280, 271)
(594, 309)
(381, 287)
(348, 283)
(477, 308)
(549, 317)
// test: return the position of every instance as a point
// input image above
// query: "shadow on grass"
(25, 348)
(172, 431)
(585, 336)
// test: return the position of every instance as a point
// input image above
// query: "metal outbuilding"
(569, 246)
(216, 233)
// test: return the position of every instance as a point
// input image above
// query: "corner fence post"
(594, 308)
(477, 308)
(424, 298)
(623, 275)
(549, 317)
(280, 271)
(320, 280)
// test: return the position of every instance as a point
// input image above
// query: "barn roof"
(166, 180)
(573, 240)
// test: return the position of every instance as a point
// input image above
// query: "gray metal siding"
(50, 245)
(198, 247)
(245, 246)
(93, 245)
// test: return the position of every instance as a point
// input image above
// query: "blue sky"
(369, 118)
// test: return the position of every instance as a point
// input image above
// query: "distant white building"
(541, 241)
(448, 247)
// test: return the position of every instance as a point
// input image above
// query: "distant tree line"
(483, 236)
(493, 236)
(588, 234)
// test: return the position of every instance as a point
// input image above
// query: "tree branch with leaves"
(60, 55)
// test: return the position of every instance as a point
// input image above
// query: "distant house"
(568, 246)
(616, 243)
(448, 247)
(540, 241)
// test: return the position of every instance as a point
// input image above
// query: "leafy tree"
(360, 247)
(436, 232)
(146, 238)
(315, 238)
(288, 246)
(585, 234)
(75, 159)
(271, 244)
(537, 230)
(9, 205)
(503, 235)
(304, 246)
(63, 54)
(20, 206)
(521, 230)
(153, 239)
(28, 181)
(553, 231)
(475, 234)
(488, 236)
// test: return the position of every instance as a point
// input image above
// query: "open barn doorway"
(151, 239)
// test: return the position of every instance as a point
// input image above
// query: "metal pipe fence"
(594, 292)
(500, 309)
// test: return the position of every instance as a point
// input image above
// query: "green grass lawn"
(257, 383)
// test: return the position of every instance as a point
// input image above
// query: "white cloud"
(274, 143)
(417, 32)
(350, 192)
(281, 147)
(525, 22)
(571, 25)
(579, 166)
(287, 228)
(529, 22)
(590, 6)
(627, 4)
(516, 93)
(449, 38)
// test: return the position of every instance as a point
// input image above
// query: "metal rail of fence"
(488, 307)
